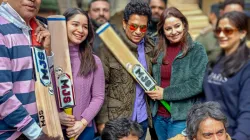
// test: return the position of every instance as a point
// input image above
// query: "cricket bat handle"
(165, 104)
(69, 111)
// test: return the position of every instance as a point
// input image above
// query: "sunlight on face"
(77, 29)
(228, 42)
(135, 35)
(173, 29)
(211, 129)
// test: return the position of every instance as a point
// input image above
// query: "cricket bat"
(62, 65)
(127, 59)
(45, 97)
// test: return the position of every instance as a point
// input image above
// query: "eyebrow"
(76, 21)
(207, 133)
(222, 130)
(79, 22)
(173, 25)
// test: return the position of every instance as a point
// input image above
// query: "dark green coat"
(186, 80)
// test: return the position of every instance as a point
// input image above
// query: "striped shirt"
(17, 97)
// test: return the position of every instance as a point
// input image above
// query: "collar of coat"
(149, 45)
(190, 45)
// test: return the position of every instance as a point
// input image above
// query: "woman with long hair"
(227, 81)
(179, 68)
(88, 77)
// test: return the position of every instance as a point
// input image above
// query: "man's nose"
(101, 12)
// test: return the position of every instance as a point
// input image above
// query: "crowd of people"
(206, 84)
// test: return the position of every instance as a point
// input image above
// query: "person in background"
(99, 13)
(179, 66)
(205, 122)
(122, 129)
(157, 7)
(207, 37)
(124, 98)
(18, 111)
(227, 80)
(88, 77)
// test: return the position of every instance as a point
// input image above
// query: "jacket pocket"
(117, 74)
(115, 108)
(113, 103)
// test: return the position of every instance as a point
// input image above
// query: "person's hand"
(156, 94)
(77, 129)
(66, 120)
(43, 37)
(44, 136)
(100, 127)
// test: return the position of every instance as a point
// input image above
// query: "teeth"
(78, 35)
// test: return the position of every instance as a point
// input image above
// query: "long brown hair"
(88, 63)
(235, 61)
(163, 41)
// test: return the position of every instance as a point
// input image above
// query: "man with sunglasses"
(124, 98)
(207, 37)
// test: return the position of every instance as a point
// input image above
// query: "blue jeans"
(166, 129)
(144, 126)
(87, 134)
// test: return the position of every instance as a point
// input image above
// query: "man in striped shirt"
(18, 111)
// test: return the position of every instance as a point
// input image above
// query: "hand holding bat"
(76, 130)
(66, 119)
(156, 94)
(43, 37)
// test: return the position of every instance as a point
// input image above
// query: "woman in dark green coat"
(179, 68)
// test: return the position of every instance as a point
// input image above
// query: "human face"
(229, 42)
(130, 137)
(173, 29)
(27, 9)
(232, 7)
(157, 7)
(211, 129)
(135, 35)
(77, 29)
(99, 12)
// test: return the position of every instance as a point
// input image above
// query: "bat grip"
(165, 104)
(69, 111)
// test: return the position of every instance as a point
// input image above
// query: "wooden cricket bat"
(45, 98)
(62, 65)
(127, 59)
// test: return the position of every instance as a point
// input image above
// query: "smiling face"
(77, 29)
(229, 41)
(27, 9)
(136, 27)
(173, 29)
(211, 129)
